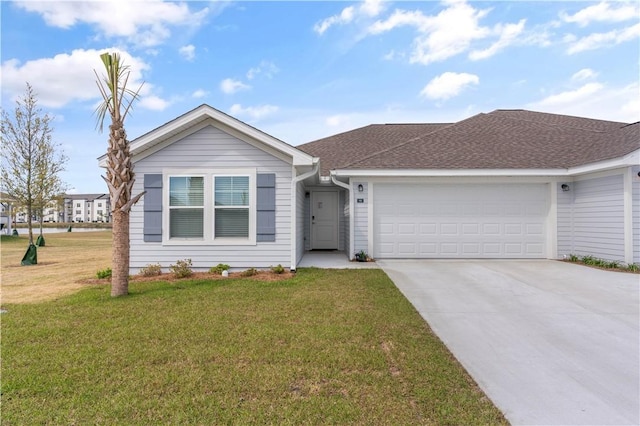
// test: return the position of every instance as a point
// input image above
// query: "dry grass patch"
(65, 261)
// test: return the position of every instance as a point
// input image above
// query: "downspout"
(294, 210)
(351, 212)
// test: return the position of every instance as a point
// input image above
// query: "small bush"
(151, 270)
(249, 272)
(589, 260)
(277, 269)
(182, 268)
(218, 269)
(612, 264)
(573, 258)
(104, 273)
(633, 267)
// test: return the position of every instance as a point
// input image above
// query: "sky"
(302, 70)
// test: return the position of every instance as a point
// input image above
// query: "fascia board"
(447, 172)
(631, 159)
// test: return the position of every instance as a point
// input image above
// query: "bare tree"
(31, 160)
(120, 177)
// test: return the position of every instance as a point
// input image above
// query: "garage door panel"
(470, 229)
(469, 221)
(428, 228)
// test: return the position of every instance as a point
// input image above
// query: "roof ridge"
(559, 124)
(448, 126)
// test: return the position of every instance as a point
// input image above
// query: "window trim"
(209, 176)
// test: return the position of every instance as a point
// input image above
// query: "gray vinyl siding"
(361, 218)
(212, 148)
(341, 221)
(597, 218)
(346, 214)
(302, 228)
(635, 191)
(565, 220)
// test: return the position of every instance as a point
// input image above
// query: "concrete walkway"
(550, 343)
(332, 259)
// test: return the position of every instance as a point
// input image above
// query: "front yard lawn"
(327, 346)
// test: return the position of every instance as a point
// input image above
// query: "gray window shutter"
(153, 208)
(266, 207)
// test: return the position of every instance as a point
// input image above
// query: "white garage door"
(463, 221)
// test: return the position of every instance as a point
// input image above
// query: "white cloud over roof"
(448, 85)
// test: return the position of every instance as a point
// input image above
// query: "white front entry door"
(324, 220)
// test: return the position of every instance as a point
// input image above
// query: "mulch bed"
(266, 276)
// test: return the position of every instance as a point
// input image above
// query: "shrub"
(589, 260)
(573, 258)
(633, 267)
(614, 264)
(105, 273)
(277, 269)
(151, 270)
(182, 268)
(218, 269)
(249, 272)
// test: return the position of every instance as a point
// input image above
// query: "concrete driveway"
(549, 342)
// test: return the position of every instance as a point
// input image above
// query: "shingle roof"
(337, 151)
(502, 139)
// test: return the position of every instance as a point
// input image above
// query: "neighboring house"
(508, 184)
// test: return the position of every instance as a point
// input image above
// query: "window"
(78, 211)
(206, 207)
(186, 207)
(77, 204)
(231, 201)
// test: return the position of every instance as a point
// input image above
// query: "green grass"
(325, 347)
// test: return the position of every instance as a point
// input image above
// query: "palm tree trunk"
(119, 176)
(120, 254)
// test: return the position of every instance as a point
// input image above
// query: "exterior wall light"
(360, 188)
(565, 187)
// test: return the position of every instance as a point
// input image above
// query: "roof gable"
(166, 134)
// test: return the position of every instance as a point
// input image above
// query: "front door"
(324, 220)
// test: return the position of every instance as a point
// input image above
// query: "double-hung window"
(186, 207)
(210, 207)
(231, 206)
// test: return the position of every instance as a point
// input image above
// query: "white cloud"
(230, 86)
(368, 8)
(70, 77)
(584, 74)
(338, 120)
(199, 94)
(266, 68)
(571, 96)
(344, 17)
(599, 40)
(604, 12)
(448, 85)
(508, 34)
(143, 23)
(255, 113)
(451, 32)
(153, 103)
(596, 100)
(188, 52)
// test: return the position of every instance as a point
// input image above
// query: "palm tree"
(120, 177)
